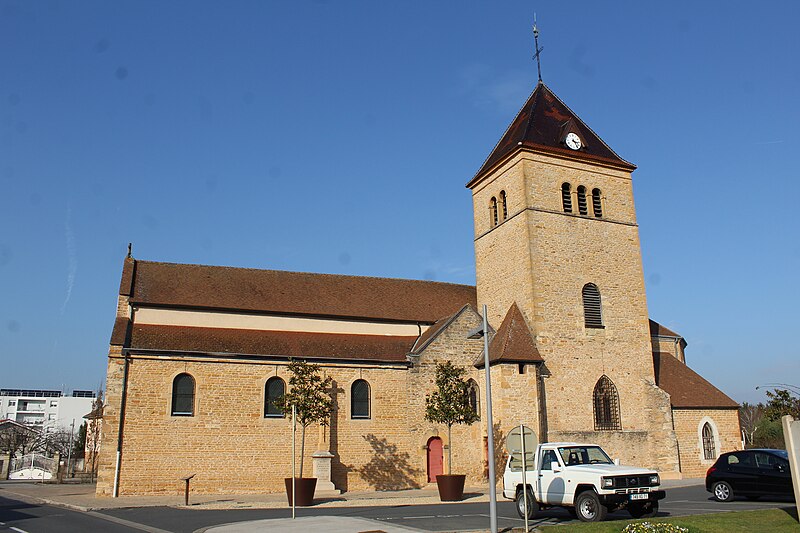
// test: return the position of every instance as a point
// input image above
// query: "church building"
(199, 354)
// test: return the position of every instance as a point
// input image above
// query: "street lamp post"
(483, 331)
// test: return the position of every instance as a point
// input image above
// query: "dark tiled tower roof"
(542, 125)
(513, 342)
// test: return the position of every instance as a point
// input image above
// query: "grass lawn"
(770, 520)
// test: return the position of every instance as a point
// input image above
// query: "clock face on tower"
(573, 141)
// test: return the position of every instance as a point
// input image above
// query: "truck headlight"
(654, 480)
(607, 482)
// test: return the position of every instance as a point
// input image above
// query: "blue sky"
(338, 136)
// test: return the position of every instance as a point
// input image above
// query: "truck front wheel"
(533, 507)
(589, 508)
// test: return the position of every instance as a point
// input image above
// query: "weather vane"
(536, 45)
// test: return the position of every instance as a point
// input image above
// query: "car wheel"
(643, 509)
(589, 508)
(533, 507)
(722, 491)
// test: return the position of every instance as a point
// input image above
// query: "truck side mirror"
(616, 462)
(554, 466)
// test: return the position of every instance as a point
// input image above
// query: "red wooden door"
(435, 459)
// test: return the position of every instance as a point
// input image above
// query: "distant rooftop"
(41, 393)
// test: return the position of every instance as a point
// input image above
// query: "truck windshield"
(584, 455)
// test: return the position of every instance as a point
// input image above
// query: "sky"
(338, 137)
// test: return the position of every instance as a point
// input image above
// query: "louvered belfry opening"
(606, 406)
(709, 448)
(592, 310)
(597, 205)
(503, 206)
(566, 197)
(493, 212)
(583, 208)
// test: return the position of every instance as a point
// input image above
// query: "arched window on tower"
(359, 399)
(566, 197)
(709, 447)
(503, 207)
(592, 306)
(474, 397)
(606, 406)
(493, 212)
(582, 206)
(274, 389)
(597, 204)
(183, 395)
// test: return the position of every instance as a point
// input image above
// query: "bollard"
(186, 494)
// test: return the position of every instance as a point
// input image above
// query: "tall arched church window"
(566, 197)
(493, 211)
(474, 397)
(597, 205)
(503, 207)
(709, 448)
(582, 206)
(274, 390)
(183, 395)
(359, 399)
(606, 406)
(592, 308)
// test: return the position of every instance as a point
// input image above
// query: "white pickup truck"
(581, 478)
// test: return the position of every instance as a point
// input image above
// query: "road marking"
(18, 530)
(128, 523)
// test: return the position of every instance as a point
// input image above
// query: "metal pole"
(69, 450)
(294, 430)
(490, 430)
(524, 479)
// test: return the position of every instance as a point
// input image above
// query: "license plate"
(639, 496)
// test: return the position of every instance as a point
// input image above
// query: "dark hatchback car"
(750, 473)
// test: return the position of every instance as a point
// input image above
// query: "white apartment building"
(45, 409)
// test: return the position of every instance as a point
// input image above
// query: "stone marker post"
(791, 435)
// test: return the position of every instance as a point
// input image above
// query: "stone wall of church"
(232, 448)
(670, 346)
(688, 427)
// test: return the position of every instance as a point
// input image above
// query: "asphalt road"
(20, 516)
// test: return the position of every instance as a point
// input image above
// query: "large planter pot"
(304, 490)
(451, 487)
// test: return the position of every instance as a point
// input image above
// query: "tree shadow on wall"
(339, 470)
(388, 469)
(500, 454)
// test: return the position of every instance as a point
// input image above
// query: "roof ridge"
(320, 274)
(503, 136)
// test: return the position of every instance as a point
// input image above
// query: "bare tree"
(750, 417)
(17, 440)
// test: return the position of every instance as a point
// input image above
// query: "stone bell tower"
(556, 233)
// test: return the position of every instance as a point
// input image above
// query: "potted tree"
(309, 393)
(448, 405)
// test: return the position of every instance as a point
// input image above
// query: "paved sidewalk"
(329, 524)
(81, 497)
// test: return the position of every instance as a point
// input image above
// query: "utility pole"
(69, 450)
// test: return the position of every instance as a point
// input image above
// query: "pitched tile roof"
(280, 292)
(513, 342)
(658, 329)
(687, 389)
(283, 344)
(542, 124)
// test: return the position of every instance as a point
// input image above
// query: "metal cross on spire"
(536, 47)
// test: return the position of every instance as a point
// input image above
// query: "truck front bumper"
(616, 500)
